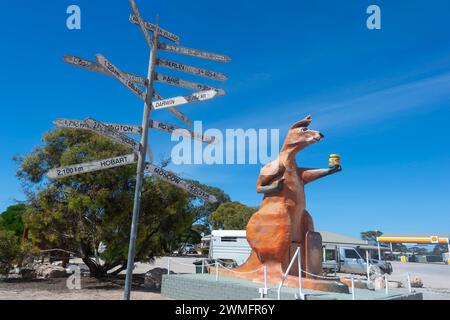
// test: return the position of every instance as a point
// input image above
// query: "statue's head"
(300, 135)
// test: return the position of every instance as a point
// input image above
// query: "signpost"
(180, 183)
(193, 52)
(94, 66)
(180, 131)
(80, 124)
(177, 101)
(192, 70)
(105, 130)
(119, 133)
(174, 81)
(68, 171)
(151, 27)
(120, 76)
(136, 130)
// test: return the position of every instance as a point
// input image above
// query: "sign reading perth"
(68, 171)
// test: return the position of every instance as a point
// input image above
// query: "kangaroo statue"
(282, 223)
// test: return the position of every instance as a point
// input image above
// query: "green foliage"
(11, 219)
(371, 235)
(77, 213)
(201, 228)
(9, 250)
(231, 216)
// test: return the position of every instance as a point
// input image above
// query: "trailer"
(229, 247)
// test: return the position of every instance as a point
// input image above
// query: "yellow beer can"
(334, 160)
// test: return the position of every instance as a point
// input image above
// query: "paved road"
(435, 278)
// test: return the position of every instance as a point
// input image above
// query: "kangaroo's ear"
(302, 123)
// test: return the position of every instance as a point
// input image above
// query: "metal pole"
(386, 283)
(141, 165)
(217, 271)
(379, 251)
(299, 263)
(353, 289)
(409, 283)
(368, 266)
(203, 265)
(265, 277)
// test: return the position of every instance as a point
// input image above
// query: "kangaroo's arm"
(309, 175)
(270, 178)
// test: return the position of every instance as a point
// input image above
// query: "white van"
(229, 246)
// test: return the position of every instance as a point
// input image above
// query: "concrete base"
(205, 287)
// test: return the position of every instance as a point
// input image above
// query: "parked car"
(188, 248)
(348, 260)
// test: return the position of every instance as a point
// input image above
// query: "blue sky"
(380, 97)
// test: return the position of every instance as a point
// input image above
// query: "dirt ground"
(56, 289)
(435, 277)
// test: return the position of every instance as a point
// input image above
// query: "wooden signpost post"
(119, 132)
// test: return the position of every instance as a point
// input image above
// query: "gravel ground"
(435, 277)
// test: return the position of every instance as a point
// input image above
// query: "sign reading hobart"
(91, 166)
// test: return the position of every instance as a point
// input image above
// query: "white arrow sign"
(190, 69)
(105, 130)
(119, 75)
(180, 131)
(186, 84)
(176, 112)
(177, 101)
(91, 166)
(151, 27)
(94, 66)
(180, 183)
(193, 52)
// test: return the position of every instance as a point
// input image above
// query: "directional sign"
(141, 23)
(94, 66)
(193, 52)
(177, 101)
(105, 130)
(151, 27)
(81, 124)
(186, 84)
(190, 69)
(175, 111)
(119, 75)
(180, 183)
(91, 166)
(180, 131)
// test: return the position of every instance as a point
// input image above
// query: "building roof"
(337, 238)
(229, 233)
(327, 237)
(414, 238)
